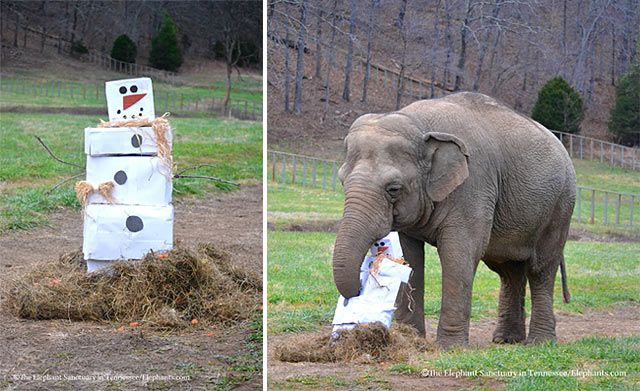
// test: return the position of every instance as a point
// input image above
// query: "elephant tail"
(565, 289)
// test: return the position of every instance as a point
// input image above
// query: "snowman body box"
(138, 218)
(380, 278)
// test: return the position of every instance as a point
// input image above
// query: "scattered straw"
(363, 344)
(375, 265)
(160, 128)
(163, 293)
(83, 191)
(105, 189)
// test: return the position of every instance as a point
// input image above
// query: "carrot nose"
(130, 100)
(382, 249)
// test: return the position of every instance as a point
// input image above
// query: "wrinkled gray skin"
(476, 180)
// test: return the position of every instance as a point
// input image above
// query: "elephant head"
(393, 173)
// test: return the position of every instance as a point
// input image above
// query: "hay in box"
(363, 344)
(163, 292)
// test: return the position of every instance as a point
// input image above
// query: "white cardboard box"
(121, 141)
(138, 180)
(389, 245)
(376, 302)
(119, 232)
(130, 99)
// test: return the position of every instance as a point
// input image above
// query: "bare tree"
(330, 60)
(352, 27)
(301, 45)
(372, 7)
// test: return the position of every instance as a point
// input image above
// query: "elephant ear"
(447, 160)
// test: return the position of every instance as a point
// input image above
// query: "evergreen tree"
(624, 118)
(559, 107)
(124, 49)
(165, 52)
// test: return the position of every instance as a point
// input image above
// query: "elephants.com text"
(530, 372)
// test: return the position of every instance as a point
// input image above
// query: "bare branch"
(54, 156)
(194, 168)
(63, 182)
(206, 177)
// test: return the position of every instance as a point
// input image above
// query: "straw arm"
(54, 156)
(194, 168)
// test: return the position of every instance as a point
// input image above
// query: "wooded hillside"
(386, 54)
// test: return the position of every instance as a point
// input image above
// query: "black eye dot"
(141, 109)
(134, 88)
(123, 90)
(118, 111)
(376, 244)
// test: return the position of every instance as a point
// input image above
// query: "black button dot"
(134, 224)
(141, 109)
(120, 177)
(124, 116)
(134, 88)
(123, 90)
(136, 140)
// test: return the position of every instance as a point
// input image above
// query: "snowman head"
(130, 99)
(389, 245)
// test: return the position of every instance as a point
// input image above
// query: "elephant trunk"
(367, 217)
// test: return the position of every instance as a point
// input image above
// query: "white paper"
(134, 94)
(376, 302)
(118, 232)
(389, 245)
(138, 180)
(121, 141)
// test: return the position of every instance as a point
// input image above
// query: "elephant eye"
(393, 190)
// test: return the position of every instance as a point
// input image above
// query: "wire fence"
(93, 94)
(611, 154)
(135, 70)
(593, 206)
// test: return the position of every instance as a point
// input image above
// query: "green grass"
(27, 171)
(368, 380)
(302, 295)
(593, 363)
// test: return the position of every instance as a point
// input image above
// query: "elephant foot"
(451, 343)
(539, 338)
(508, 335)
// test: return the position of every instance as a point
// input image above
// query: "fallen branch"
(194, 168)
(62, 183)
(54, 156)
(205, 177)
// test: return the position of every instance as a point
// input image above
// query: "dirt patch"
(622, 320)
(199, 356)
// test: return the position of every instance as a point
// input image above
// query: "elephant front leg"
(410, 301)
(458, 269)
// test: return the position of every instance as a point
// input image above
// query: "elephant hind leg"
(511, 314)
(541, 273)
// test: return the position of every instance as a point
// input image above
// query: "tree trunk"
(436, 29)
(447, 61)
(301, 36)
(368, 65)
(331, 47)
(463, 46)
(403, 10)
(352, 27)
(318, 45)
(286, 68)
(75, 24)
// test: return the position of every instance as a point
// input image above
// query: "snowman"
(135, 215)
(379, 287)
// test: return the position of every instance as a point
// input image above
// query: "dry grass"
(165, 293)
(362, 344)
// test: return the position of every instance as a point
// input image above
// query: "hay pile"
(162, 292)
(362, 344)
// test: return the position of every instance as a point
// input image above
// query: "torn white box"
(138, 180)
(119, 232)
(121, 141)
(389, 245)
(130, 99)
(376, 302)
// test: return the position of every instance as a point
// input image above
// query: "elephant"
(478, 181)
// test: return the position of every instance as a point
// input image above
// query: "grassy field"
(27, 171)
